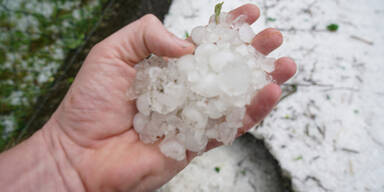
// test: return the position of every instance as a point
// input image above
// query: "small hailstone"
(186, 64)
(194, 116)
(242, 50)
(235, 79)
(206, 86)
(246, 33)
(140, 121)
(170, 147)
(192, 99)
(226, 133)
(219, 60)
(268, 64)
(143, 104)
(198, 34)
(193, 140)
(236, 115)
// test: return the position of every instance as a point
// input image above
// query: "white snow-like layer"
(327, 135)
(203, 95)
(244, 166)
(225, 161)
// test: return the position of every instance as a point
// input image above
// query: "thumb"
(139, 39)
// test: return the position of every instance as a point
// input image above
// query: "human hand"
(92, 131)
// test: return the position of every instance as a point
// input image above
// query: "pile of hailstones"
(193, 99)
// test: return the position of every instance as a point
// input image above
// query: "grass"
(35, 36)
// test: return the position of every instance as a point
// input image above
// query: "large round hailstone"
(195, 98)
(235, 79)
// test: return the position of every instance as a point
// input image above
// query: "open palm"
(93, 125)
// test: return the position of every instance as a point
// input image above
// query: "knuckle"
(97, 47)
(100, 49)
(150, 19)
(149, 23)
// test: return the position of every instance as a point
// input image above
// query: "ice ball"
(188, 100)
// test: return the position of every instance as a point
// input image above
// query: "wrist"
(55, 141)
(38, 164)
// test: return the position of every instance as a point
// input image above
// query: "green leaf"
(271, 19)
(186, 34)
(333, 27)
(298, 158)
(218, 11)
(217, 169)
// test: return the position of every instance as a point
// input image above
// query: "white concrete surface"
(328, 135)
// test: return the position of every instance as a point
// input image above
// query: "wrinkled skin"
(93, 124)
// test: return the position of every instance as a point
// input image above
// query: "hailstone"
(187, 101)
